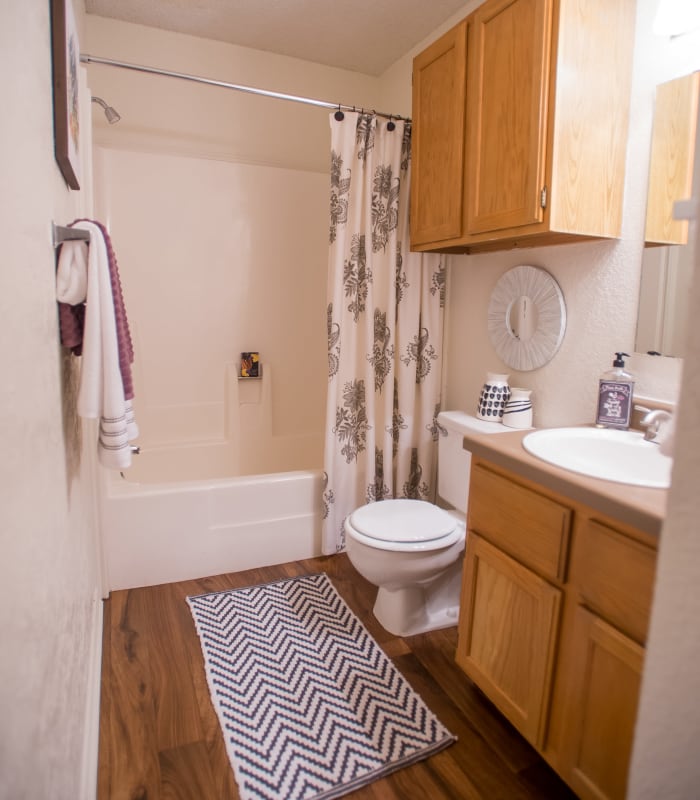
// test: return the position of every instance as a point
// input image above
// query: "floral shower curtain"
(385, 321)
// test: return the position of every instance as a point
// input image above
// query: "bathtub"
(193, 525)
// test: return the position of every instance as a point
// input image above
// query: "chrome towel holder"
(61, 233)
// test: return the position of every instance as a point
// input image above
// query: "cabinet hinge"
(543, 197)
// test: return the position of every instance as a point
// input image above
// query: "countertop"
(637, 506)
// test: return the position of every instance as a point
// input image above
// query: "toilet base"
(411, 610)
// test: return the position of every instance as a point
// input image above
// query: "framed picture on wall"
(65, 50)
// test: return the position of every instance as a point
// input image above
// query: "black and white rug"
(309, 704)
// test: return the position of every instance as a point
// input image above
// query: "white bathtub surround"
(212, 441)
(205, 279)
(204, 506)
(385, 316)
(159, 532)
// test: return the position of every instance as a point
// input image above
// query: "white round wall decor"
(526, 318)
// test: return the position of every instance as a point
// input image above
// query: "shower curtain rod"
(88, 59)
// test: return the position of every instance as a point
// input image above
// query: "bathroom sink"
(613, 455)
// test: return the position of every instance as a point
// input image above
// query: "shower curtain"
(385, 323)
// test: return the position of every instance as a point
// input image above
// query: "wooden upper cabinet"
(439, 95)
(672, 158)
(548, 86)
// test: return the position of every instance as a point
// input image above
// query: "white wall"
(50, 609)
(183, 117)
(665, 762)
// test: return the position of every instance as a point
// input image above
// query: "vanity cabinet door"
(604, 693)
(506, 115)
(507, 635)
(439, 95)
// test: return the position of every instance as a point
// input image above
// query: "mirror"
(663, 308)
(522, 316)
(667, 270)
(526, 317)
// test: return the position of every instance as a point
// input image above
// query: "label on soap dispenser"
(614, 404)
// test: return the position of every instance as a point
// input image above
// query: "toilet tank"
(454, 462)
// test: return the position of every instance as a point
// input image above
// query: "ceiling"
(360, 35)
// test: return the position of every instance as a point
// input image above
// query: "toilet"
(412, 550)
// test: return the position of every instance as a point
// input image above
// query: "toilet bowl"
(411, 550)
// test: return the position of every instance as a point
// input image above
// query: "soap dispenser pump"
(615, 391)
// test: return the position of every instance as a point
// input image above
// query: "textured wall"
(665, 762)
(600, 280)
(50, 584)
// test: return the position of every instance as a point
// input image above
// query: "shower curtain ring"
(390, 126)
(339, 114)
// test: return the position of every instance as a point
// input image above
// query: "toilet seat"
(404, 525)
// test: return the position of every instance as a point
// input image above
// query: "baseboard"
(91, 736)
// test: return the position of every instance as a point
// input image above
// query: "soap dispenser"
(615, 390)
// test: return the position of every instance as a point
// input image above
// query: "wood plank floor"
(160, 738)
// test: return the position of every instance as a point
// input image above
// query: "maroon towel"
(71, 320)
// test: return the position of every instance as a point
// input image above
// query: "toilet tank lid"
(402, 521)
(460, 422)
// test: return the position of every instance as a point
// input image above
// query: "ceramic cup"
(494, 395)
(518, 409)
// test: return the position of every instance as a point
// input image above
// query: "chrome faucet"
(652, 421)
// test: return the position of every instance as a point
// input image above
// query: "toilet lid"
(402, 521)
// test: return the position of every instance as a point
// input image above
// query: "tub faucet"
(652, 422)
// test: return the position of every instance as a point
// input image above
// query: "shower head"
(111, 113)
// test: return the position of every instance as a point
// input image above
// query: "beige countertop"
(637, 506)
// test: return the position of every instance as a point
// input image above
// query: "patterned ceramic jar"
(518, 410)
(493, 398)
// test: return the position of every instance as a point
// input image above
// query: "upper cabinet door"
(439, 94)
(672, 158)
(509, 60)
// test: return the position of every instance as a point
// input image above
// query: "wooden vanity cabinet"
(555, 609)
(540, 148)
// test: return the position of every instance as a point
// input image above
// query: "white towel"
(71, 273)
(101, 394)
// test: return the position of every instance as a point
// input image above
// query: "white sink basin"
(620, 456)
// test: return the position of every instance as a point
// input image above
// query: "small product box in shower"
(250, 365)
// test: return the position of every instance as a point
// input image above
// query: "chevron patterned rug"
(309, 704)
